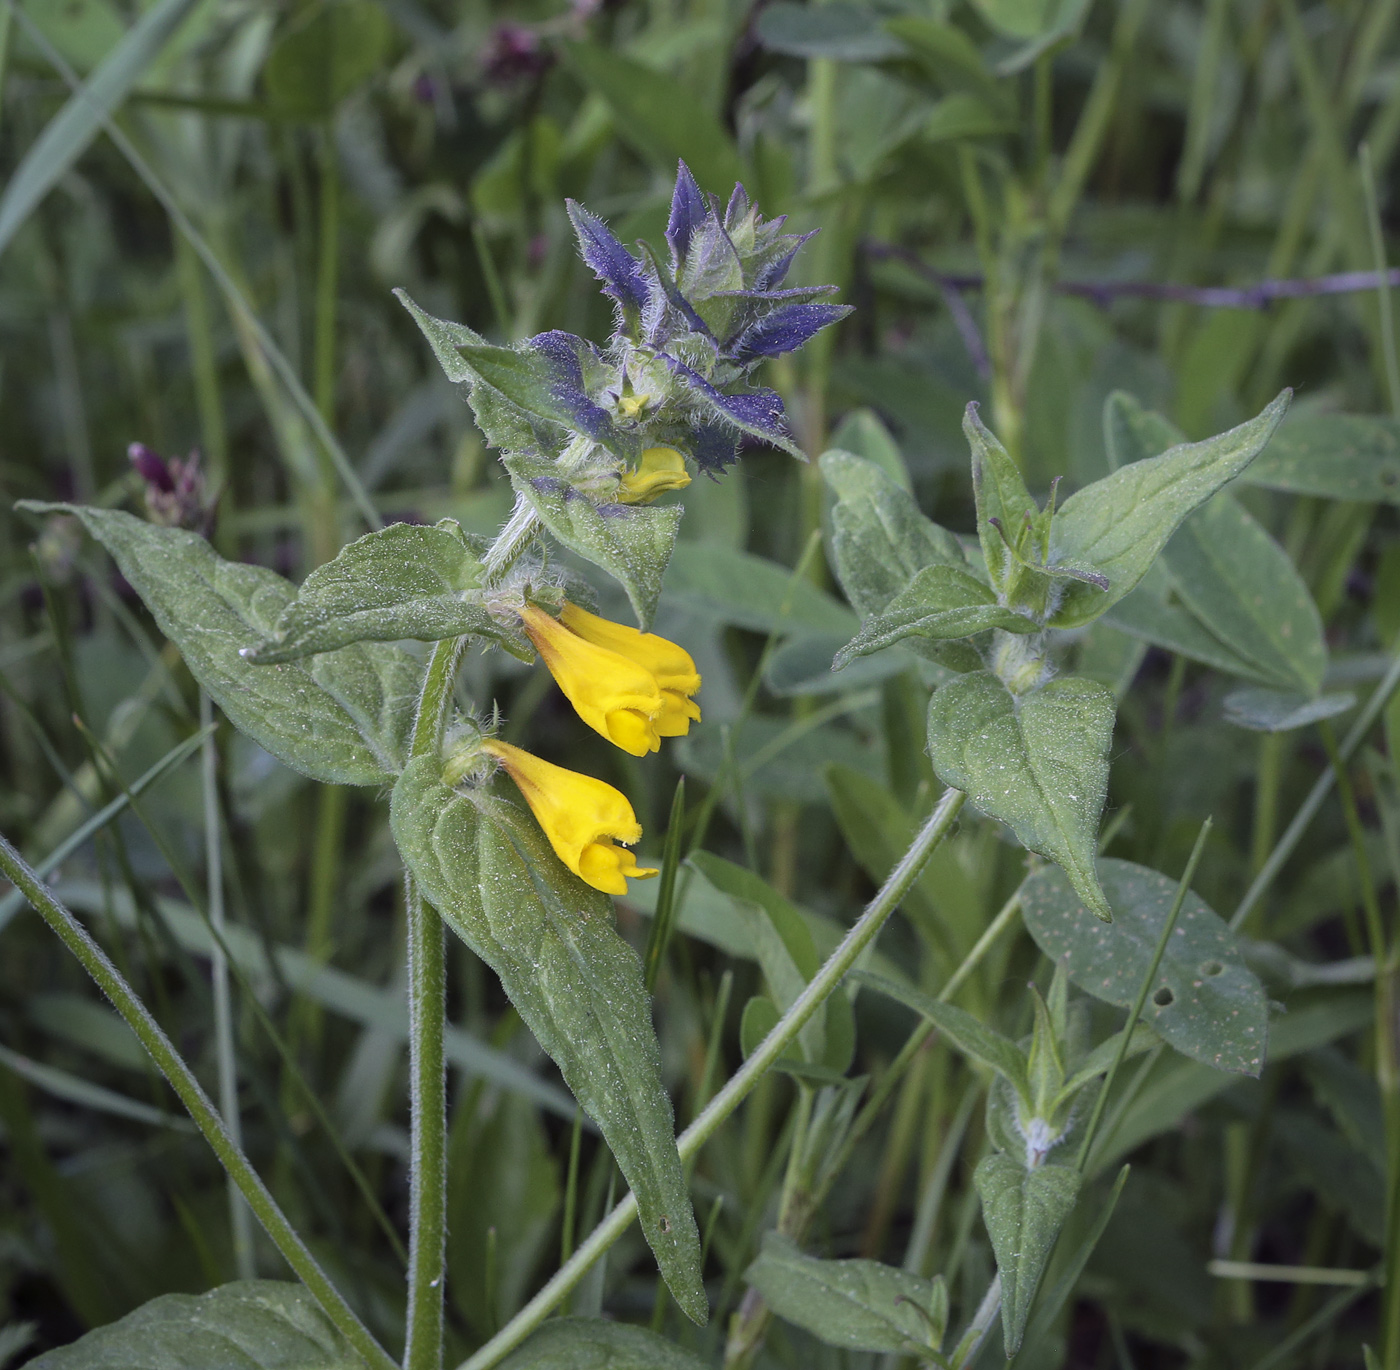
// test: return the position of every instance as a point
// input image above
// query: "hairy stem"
(427, 1008)
(891, 894)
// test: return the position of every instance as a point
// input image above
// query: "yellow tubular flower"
(633, 688)
(581, 816)
(660, 469)
(670, 666)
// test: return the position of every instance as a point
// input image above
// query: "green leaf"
(1148, 614)
(71, 131)
(1242, 586)
(788, 955)
(326, 56)
(879, 538)
(940, 602)
(729, 586)
(859, 1305)
(1024, 1211)
(1039, 765)
(447, 340)
(403, 581)
(1280, 711)
(1334, 456)
(1132, 432)
(1206, 1001)
(649, 116)
(803, 666)
(1004, 505)
(254, 1324)
(862, 433)
(631, 542)
(503, 1194)
(505, 425)
(488, 870)
(1029, 18)
(343, 720)
(969, 1034)
(839, 30)
(1069, 1270)
(595, 1344)
(1120, 524)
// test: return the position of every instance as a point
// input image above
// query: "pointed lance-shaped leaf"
(785, 330)
(688, 212)
(774, 274)
(619, 271)
(759, 412)
(714, 446)
(674, 297)
(738, 206)
(560, 353)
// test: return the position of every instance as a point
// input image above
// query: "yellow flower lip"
(659, 469)
(631, 687)
(583, 818)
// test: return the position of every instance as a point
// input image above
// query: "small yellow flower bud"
(633, 688)
(660, 469)
(583, 818)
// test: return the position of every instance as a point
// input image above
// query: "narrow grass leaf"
(71, 131)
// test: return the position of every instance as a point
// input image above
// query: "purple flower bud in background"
(151, 467)
(425, 89)
(514, 54)
(175, 492)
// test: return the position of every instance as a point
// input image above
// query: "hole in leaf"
(1212, 968)
(665, 1223)
(1163, 997)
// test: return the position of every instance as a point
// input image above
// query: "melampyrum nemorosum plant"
(518, 856)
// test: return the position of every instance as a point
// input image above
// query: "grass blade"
(72, 130)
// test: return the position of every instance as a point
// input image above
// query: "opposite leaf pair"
(1027, 748)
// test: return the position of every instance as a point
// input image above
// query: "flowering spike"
(688, 212)
(583, 818)
(785, 330)
(610, 262)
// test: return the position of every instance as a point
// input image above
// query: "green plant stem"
(427, 1009)
(1321, 787)
(511, 541)
(971, 1342)
(240, 1224)
(1094, 121)
(938, 825)
(206, 1117)
(427, 1213)
(1182, 890)
(12, 902)
(894, 1072)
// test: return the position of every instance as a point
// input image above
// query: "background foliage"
(992, 181)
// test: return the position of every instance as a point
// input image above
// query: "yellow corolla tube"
(583, 818)
(659, 469)
(632, 687)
